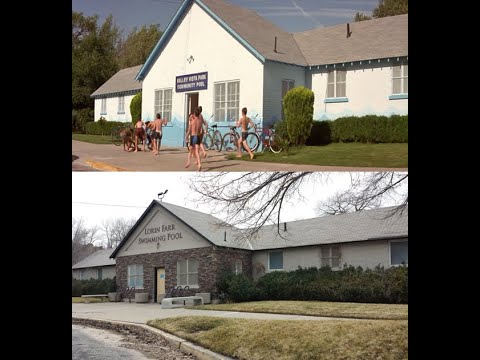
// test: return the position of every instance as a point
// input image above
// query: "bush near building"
(93, 286)
(102, 127)
(379, 285)
(298, 108)
(136, 107)
(80, 119)
(364, 129)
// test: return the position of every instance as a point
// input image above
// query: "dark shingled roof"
(122, 81)
(98, 258)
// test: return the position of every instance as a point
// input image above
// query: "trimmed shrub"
(321, 133)
(298, 109)
(93, 286)
(102, 127)
(371, 129)
(136, 107)
(238, 288)
(80, 119)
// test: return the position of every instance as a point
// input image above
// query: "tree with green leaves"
(94, 59)
(385, 8)
(138, 45)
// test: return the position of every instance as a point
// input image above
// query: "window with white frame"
(237, 267)
(99, 274)
(226, 103)
(135, 276)
(103, 107)
(187, 272)
(330, 256)
(275, 260)
(286, 86)
(399, 252)
(337, 84)
(163, 103)
(121, 104)
(400, 79)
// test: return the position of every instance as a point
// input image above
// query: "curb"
(103, 166)
(179, 343)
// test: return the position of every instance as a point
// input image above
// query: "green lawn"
(317, 308)
(94, 139)
(341, 154)
(248, 339)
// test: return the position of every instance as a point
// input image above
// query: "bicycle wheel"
(217, 140)
(253, 141)
(229, 142)
(116, 139)
(207, 141)
(275, 143)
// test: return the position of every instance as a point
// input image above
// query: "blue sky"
(290, 15)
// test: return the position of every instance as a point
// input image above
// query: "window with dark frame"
(330, 256)
(286, 86)
(399, 252)
(275, 260)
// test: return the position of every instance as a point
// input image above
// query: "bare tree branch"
(254, 199)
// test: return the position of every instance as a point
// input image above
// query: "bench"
(170, 303)
(102, 296)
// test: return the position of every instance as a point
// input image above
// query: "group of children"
(151, 135)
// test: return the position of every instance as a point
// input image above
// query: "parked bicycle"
(270, 140)
(116, 133)
(230, 139)
(213, 138)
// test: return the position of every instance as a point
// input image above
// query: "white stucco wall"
(214, 51)
(367, 254)
(160, 232)
(274, 73)
(112, 109)
(108, 272)
(368, 88)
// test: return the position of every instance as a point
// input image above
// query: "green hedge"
(321, 133)
(371, 129)
(136, 108)
(102, 127)
(92, 286)
(298, 108)
(387, 286)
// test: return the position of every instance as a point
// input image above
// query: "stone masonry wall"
(212, 261)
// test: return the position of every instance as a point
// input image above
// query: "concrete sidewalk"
(108, 157)
(141, 313)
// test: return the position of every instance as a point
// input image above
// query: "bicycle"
(116, 134)
(230, 139)
(213, 139)
(271, 141)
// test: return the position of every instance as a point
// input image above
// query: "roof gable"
(122, 82)
(251, 30)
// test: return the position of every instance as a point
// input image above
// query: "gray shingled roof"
(372, 39)
(329, 229)
(207, 225)
(122, 81)
(258, 32)
(98, 258)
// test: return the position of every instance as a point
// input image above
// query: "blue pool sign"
(191, 82)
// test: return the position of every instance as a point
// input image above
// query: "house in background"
(171, 246)
(224, 57)
(113, 98)
(96, 266)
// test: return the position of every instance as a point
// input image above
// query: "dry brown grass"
(318, 308)
(284, 339)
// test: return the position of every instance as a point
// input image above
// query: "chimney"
(284, 226)
(275, 47)
(348, 30)
(224, 236)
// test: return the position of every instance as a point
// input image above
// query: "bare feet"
(187, 165)
(200, 168)
(251, 156)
